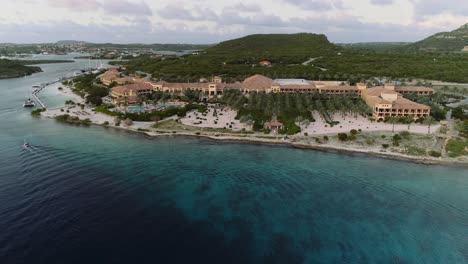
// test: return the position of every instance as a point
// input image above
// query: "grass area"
(104, 109)
(414, 150)
(457, 147)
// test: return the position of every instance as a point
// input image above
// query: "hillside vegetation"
(14, 69)
(307, 56)
(445, 41)
(276, 48)
(19, 68)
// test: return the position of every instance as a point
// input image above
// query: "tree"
(393, 120)
(408, 120)
(342, 136)
(299, 119)
(94, 99)
(428, 121)
(305, 122)
(128, 122)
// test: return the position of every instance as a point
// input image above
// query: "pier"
(44, 85)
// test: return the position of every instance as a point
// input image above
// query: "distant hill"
(455, 40)
(167, 47)
(374, 46)
(274, 47)
(70, 42)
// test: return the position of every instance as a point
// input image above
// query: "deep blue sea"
(96, 195)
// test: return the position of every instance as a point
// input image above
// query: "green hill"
(277, 48)
(445, 41)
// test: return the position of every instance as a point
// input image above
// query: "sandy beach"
(216, 117)
(350, 121)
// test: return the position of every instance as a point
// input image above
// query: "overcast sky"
(211, 21)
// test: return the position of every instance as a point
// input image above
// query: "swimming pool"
(135, 108)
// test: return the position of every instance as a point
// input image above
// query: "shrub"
(396, 143)
(353, 132)
(385, 146)
(396, 137)
(435, 154)
(405, 134)
(128, 122)
(325, 138)
(306, 134)
(352, 137)
(37, 112)
(370, 141)
(106, 123)
(342, 136)
(383, 136)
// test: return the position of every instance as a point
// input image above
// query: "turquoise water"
(96, 195)
(135, 108)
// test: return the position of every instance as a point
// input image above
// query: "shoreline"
(321, 148)
(264, 141)
(144, 128)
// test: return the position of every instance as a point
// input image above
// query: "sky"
(212, 21)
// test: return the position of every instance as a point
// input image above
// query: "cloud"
(178, 12)
(114, 7)
(382, 2)
(125, 7)
(436, 7)
(319, 5)
(240, 7)
(76, 4)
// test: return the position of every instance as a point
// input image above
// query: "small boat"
(29, 103)
(26, 145)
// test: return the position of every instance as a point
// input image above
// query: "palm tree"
(428, 121)
(409, 119)
(393, 120)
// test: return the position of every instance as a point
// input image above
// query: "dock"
(44, 85)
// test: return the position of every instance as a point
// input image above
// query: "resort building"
(112, 76)
(386, 102)
(130, 93)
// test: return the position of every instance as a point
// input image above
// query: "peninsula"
(21, 68)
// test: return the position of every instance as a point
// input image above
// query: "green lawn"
(457, 147)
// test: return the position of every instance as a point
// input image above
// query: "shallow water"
(95, 195)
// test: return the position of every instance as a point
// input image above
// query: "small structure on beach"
(265, 63)
(273, 126)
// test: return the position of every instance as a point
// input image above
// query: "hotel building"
(385, 101)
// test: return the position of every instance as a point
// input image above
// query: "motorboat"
(26, 145)
(29, 103)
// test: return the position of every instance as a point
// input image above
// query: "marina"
(37, 88)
